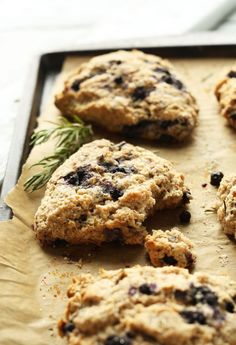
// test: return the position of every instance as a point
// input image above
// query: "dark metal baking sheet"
(46, 67)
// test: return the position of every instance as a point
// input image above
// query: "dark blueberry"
(114, 192)
(118, 80)
(231, 74)
(202, 294)
(193, 316)
(204, 185)
(116, 340)
(171, 80)
(76, 85)
(186, 197)
(147, 289)
(169, 260)
(68, 327)
(132, 291)
(113, 235)
(216, 178)
(185, 217)
(181, 295)
(112, 168)
(141, 93)
(229, 306)
(79, 177)
(233, 116)
(162, 70)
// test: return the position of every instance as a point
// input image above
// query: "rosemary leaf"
(70, 135)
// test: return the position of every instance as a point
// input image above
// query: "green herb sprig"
(70, 136)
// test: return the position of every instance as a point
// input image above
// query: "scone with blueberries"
(225, 92)
(147, 305)
(226, 205)
(105, 192)
(170, 247)
(133, 93)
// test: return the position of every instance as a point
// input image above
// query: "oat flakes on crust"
(147, 305)
(170, 247)
(225, 92)
(227, 205)
(133, 93)
(104, 192)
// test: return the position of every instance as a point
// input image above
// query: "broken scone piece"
(225, 92)
(227, 204)
(104, 192)
(170, 247)
(133, 93)
(150, 306)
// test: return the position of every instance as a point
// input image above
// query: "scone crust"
(170, 247)
(227, 204)
(147, 305)
(225, 92)
(104, 192)
(133, 93)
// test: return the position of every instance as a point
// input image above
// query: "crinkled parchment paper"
(33, 280)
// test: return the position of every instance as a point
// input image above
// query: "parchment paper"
(33, 280)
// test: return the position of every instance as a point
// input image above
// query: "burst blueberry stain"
(216, 178)
(171, 80)
(114, 192)
(117, 340)
(162, 70)
(78, 177)
(132, 291)
(193, 316)
(231, 74)
(147, 289)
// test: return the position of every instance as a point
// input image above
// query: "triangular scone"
(133, 93)
(104, 192)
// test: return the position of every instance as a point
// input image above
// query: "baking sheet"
(33, 280)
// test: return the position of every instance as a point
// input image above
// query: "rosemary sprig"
(70, 136)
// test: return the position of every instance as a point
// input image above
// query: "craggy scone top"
(134, 93)
(104, 192)
(146, 305)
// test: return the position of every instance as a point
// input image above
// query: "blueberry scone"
(104, 192)
(227, 205)
(226, 94)
(133, 93)
(147, 305)
(170, 247)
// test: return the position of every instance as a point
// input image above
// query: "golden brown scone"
(227, 204)
(170, 247)
(225, 92)
(136, 94)
(147, 305)
(104, 192)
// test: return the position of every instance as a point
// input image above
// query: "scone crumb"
(170, 247)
